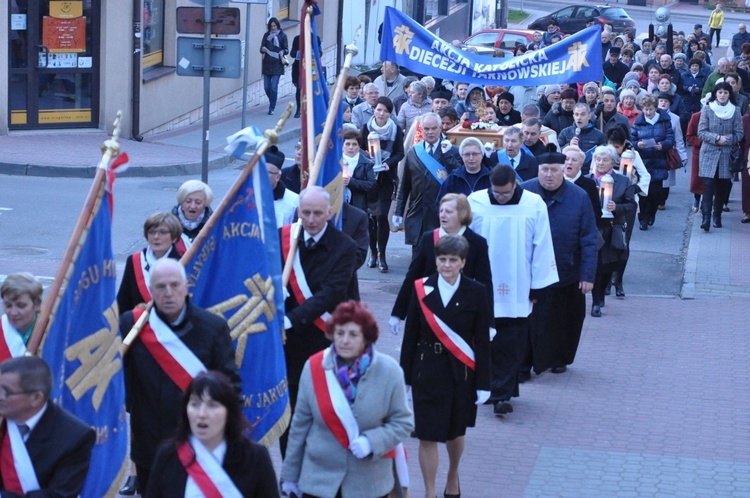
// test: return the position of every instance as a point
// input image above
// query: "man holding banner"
(428, 164)
(45, 449)
(178, 342)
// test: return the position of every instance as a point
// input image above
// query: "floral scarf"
(349, 375)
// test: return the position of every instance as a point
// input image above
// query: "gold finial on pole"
(110, 147)
(272, 135)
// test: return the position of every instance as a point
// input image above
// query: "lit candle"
(373, 146)
(605, 194)
(626, 163)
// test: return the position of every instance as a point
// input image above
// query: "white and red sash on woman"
(206, 472)
(172, 355)
(183, 244)
(11, 341)
(338, 415)
(15, 463)
(142, 276)
(297, 280)
(446, 335)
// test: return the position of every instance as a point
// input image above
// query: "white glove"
(493, 333)
(361, 447)
(482, 397)
(394, 323)
(398, 220)
(289, 488)
(445, 146)
(489, 148)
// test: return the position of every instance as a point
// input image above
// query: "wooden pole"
(309, 108)
(333, 108)
(110, 150)
(271, 137)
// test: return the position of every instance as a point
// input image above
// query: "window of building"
(283, 12)
(152, 34)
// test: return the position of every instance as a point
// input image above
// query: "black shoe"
(296, 115)
(503, 408)
(270, 112)
(130, 486)
(725, 208)
(651, 220)
(446, 495)
(559, 370)
(644, 225)
(705, 224)
(596, 311)
(373, 262)
(608, 289)
(717, 221)
(382, 265)
(523, 376)
(619, 292)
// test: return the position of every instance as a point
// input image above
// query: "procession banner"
(577, 58)
(330, 176)
(236, 273)
(82, 348)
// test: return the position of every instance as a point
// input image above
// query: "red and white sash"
(183, 244)
(447, 336)
(435, 235)
(338, 415)
(142, 277)
(297, 280)
(172, 355)
(15, 464)
(205, 471)
(11, 341)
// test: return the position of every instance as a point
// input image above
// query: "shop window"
(283, 12)
(153, 33)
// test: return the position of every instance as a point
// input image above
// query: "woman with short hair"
(21, 294)
(193, 209)
(417, 105)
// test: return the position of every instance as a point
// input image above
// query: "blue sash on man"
(502, 158)
(436, 169)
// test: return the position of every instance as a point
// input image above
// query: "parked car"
(499, 38)
(573, 19)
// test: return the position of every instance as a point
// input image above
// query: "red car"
(506, 39)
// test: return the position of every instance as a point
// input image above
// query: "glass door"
(54, 64)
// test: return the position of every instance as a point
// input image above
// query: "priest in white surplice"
(516, 226)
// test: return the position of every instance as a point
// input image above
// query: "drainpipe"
(135, 101)
(339, 37)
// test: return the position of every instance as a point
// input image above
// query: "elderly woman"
(193, 209)
(719, 128)
(391, 152)
(653, 137)
(352, 387)
(22, 299)
(574, 159)
(664, 101)
(446, 359)
(162, 231)
(472, 175)
(613, 230)
(455, 218)
(627, 106)
(273, 47)
(417, 105)
(210, 434)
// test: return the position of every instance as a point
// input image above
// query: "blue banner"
(330, 171)
(236, 273)
(82, 347)
(577, 58)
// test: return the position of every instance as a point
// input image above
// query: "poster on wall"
(483, 16)
(64, 35)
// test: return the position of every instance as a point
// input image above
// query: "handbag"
(618, 236)
(735, 159)
(673, 160)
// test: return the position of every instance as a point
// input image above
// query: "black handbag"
(618, 236)
(735, 159)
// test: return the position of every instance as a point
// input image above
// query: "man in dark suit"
(524, 163)
(57, 443)
(327, 257)
(153, 397)
(428, 164)
(355, 224)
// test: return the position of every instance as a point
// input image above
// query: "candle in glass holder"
(605, 194)
(626, 163)
(373, 146)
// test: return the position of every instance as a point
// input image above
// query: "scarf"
(349, 375)
(722, 111)
(653, 120)
(598, 176)
(273, 37)
(386, 132)
(189, 224)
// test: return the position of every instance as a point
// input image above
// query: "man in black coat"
(328, 258)
(557, 319)
(583, 133)
(153, 398)
(421, 181)
(355, 224)
(58, 444)
(291, 176)
(614, 69)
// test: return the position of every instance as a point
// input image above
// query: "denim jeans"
(271, 87)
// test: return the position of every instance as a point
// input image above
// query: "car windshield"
(614, 12)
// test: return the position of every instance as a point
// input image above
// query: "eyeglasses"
(471, 154)
(158, 232)
(4, 393)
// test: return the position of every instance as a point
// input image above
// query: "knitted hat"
(680, 56)
(626, 93)
(631, 76)
(632, 83)
(569, 94)
(550, 89)
(589, 85)
(506, 96)
(636, 65)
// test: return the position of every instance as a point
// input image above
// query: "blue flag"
(330, 171)
(236, 273)
(574, 59)
(82, 348)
